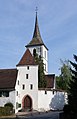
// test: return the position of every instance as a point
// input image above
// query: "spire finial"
(36, 9)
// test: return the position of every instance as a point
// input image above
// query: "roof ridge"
(9, 69)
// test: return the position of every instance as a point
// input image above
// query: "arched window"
(34, 52)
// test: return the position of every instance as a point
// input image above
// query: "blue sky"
(58, 27)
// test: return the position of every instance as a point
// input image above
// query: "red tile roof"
(27, 59)
(8, 78)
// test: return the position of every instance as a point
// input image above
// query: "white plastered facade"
(32, 73)
(42, 100)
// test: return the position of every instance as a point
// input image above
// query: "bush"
(67, 113)
(4, 111)
(66, 109)
(9, 104)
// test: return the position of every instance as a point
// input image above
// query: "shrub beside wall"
(9, 104)
(4, 111)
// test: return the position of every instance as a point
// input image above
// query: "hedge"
(9, 104)
(5, 111)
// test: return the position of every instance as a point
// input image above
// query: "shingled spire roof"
(36, 40)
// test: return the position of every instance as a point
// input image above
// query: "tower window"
(17, 93)
(27, 76)
(45, 67)
(23, 86)
(45, 54)
(28, 67)
(34, 52)
(18, 82)
(31, 86)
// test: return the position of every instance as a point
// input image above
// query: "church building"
(20, 85)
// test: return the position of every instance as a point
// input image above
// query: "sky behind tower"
(57, 21)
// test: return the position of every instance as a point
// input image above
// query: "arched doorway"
(27, 103)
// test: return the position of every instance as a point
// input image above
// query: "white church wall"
(53, 100)
(32, 79)
(11, 98)
(44, 100)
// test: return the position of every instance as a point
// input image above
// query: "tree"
(41, 76)
(72, 94)
(63, 79)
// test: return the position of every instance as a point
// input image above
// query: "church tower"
(38, 45)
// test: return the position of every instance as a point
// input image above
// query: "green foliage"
(5, 111)
(72, 95)
(41, 76)
(9, 104)
(66, 109)
(63, 79)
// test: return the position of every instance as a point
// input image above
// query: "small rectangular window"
(53, 92)
(19, 105)
(23, 86)
(16, 105)
(45, 92)
(27, 76)
(7, 94)
(0, 94)
(27, 67)
(45, 54)
(17, 93)
(4, 94)
(31, 86)
(18, 82)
